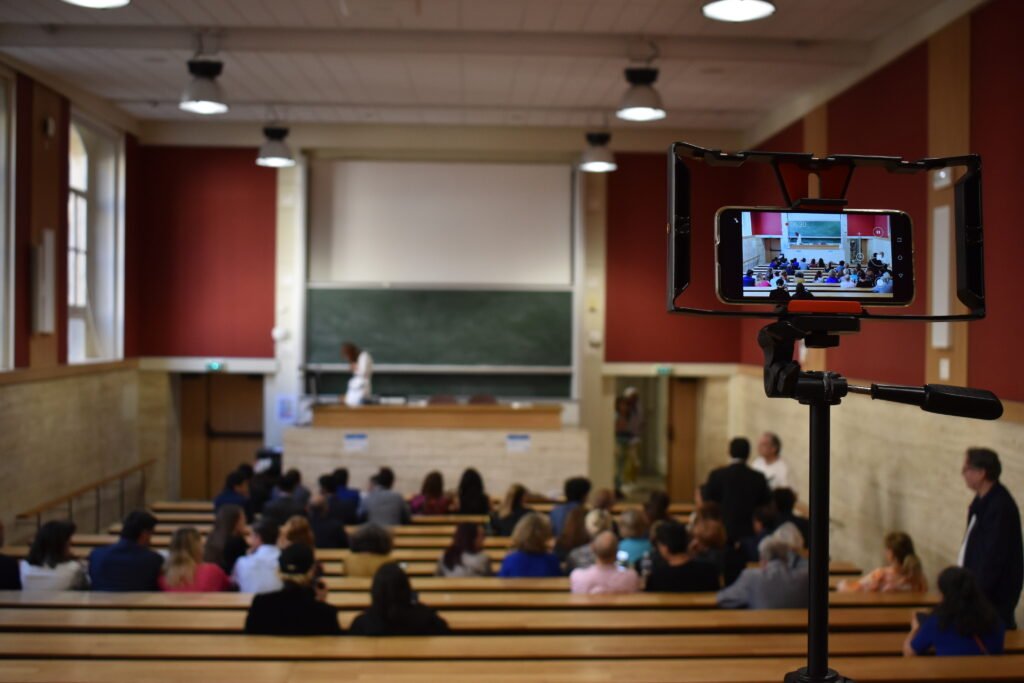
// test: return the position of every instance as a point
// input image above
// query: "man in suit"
(129, 564)
(992, 548)
(738, 489)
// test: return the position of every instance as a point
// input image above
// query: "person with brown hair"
(226, 542)
(394, 610)
(902, 571)
(185, 572)
(633, 529)
(431, 499)
(511, 510)
(50, 565)
(530, 556)
(465, 556)
(300, 606)
(371, 547)
(574, 533)
(963, 623)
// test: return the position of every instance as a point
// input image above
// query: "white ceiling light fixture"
(203, 94)
(598, 158)
(274, 152)
(738, 10)
(99, 4)
(641, 102)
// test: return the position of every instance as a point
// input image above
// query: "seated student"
(678, 572)
(780, 293)
(656, 507)
(594, 523)
(867, 280)
(235, 492)
(883, 285)
(226, 542)
(298, 607)
(748, 279)
(708, 543)
(382, 505)
(291, 484)
(394, 610)
(902, 571)
(574, 533)
(511, 510)
(286, 501)
(802, 292)
(431, 500)
(10, 578)
(847, 282)
(605, 575)
(371, 547)
(762, 281)
(529, 556)
(50, 565)
(832, 278)
(785, 502)
(780, 582)
(129, 564)
(465, 556)
(576, 491)
(471, 497)
(765, 521)
(963, 623)
(262, 484)
(875, 262)
(185, 571)
(298, 531)
(341, 490)
(257, 571)
(328, 529)
(798, 277)
(344, 509)
(635, 543)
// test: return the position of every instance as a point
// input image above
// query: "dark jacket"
(124, 566)
(291, 611)
(994, 550)
(503, 526)
(739, 490)
(231, 497)
(415, 620)
(328, 531)
(282, 509)
(234, 548)
(10, 574)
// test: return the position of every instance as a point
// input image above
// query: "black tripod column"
(817, 622)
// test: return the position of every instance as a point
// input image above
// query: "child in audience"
(50, 565)
(472, 499)
(530, 556)
(226, 542)
(371, 547)
(431, 499)
(511, 510)
(394, 610)
(465, 556)
(604, 576)
(185, 572)
(634, 543)
(902, 571)
(963, 623)
(257, 571)
(299, 607)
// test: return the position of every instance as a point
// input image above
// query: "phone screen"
(773, 256)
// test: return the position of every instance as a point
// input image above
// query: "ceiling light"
(598, 158)
(738, 10)
(641, 102)
(99, 4)
(203, 94)
(274, 152)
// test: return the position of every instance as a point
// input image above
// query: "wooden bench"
(697, 670)
(402, 540)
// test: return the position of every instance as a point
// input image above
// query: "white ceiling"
(483, 62)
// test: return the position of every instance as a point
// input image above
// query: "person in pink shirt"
(185, 571)
(604, 576)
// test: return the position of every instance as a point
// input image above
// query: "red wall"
(766, 224)
(204, 243)
(887, 114)
(997, 103)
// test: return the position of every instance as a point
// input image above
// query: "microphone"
(978, 404)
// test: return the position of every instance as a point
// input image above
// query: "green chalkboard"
(441, 327)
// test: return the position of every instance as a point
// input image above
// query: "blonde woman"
(901, 573)
(511, 510)
(185, 571)
(530, 556)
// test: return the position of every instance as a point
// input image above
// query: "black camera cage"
(835, 172)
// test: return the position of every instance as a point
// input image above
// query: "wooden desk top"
(441, 416)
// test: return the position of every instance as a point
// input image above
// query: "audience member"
(780, 294)
(603, 499)
(472, 498)
(635, 543)
(529, 555)
(576, 491)
(226, 542)
(574, 533)
(298, 607)
(129, 564)
(295, 530)
(371, 547)
(802, 292)
(291, 484)
(656, 507)
(992, 548)
(708, 543)
(511, 510)
(185, 571)
(678, 572)
(431, 500)
(594, 523)
(765, 521)
(328, 529)
(738, 489)
(341, 490)
(748, 279)
(50, 565)
(604, 575)
(780, 582)
(235, 492)
(465, 556)
(286, 501)
(394, 610)
(902, 571)
(382, 505)
(769, 461)
(10, 579)
(257, 571)
(963, 623)
(785, 503)
(262, 484)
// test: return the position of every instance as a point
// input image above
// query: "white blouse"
(65, 576)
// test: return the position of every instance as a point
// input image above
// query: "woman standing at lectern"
(359, 386)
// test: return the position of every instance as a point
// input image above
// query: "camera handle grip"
(978, 404)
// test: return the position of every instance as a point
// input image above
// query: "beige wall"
(64, 432)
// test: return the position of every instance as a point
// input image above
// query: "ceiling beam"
(349, 41)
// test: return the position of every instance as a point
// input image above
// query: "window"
(95, 243)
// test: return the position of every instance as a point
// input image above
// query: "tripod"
(783, 378)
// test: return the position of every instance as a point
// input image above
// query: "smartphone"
(772, 256)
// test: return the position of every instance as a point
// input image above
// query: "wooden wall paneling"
(194, 447)
(234, 424)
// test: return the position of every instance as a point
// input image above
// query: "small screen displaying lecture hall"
(816, 255)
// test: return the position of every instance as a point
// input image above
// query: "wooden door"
(682, 439)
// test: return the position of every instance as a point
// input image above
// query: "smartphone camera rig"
(819, 324)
